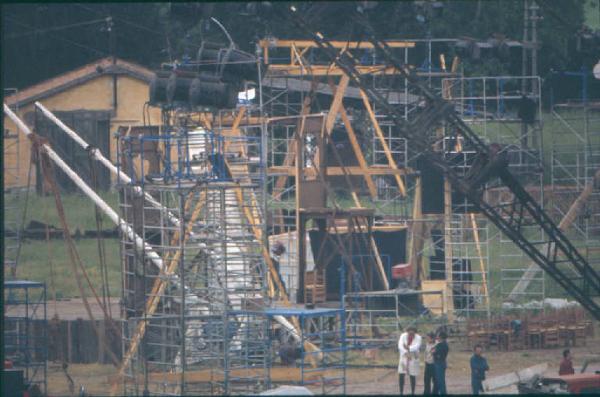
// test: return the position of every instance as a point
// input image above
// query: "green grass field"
(592, 13)
(40, 259)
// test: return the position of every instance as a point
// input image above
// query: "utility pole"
(525, 42)
(111, 38)
(110, 28)
(534, 46)
(530, 45)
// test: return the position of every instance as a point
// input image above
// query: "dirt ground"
(94, 377)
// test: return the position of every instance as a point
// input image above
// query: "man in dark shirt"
(526, 112)
(440, 353)
(566, 365)
(478, 367)
(289, 352)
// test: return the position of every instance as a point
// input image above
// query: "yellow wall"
(94, 94)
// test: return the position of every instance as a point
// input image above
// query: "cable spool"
(158, 89)
(178, 88)
(217, 94)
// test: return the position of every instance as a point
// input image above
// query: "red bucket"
(401, 271)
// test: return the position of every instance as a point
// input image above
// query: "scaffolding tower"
(194, 310)
(494, 107)
(575, 161)
(383, 169)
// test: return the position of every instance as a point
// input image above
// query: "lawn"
(48, 261)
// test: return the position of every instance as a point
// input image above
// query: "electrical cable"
(53, 29)
(102, 53)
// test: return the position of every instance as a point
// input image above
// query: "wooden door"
(94, 127)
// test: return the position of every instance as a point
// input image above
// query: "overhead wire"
(101, 53)
(54, 29)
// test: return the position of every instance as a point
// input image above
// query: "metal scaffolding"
(211, 181)
(25, 329)
(492, 106)
(575, 161)
(323, 370)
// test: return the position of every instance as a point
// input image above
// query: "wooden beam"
(158, 288)
(417, 232)
(356, 147)
(277, 374)
(276, 43)
(252, 220)
(480, 255)
(333, 70)
(448, 245)
(336, 107)
(291, 152)
(564, 225)
(339, 171)
(336, 104)
(381, 137)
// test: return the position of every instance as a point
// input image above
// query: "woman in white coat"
(409, 345)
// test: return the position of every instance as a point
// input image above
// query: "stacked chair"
(564, 327)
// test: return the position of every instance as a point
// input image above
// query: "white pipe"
(125, 228)
(97, 154)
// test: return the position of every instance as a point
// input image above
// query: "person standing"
(527, 113)
(429, 367)
(440, 354)
(566, 365)
(409, 345)
(478, 367)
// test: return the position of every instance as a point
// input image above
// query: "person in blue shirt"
(440, 353)
(478, 367)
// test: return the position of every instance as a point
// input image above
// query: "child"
(429, 368)
(566, 365)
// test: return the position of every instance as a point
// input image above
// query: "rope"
(48, 174)
(24, 217)
(99, 239)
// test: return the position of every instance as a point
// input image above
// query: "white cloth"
(409, 358)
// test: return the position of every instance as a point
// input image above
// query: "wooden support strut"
(355, 146)
(417, 239)
(290, 156)
(158, 288)
(258, 234)
(379, 133)
(480, 255)
(75, 260)
(564, 225)
(273, 272)
(339, 107)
